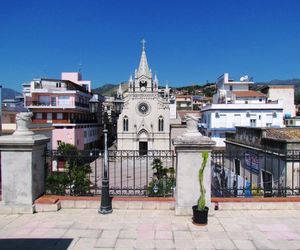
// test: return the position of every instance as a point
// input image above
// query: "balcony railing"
(55, 104)
(83, 105)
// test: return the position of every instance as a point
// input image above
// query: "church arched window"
(143, 85)
(160, 123)
(125, 123)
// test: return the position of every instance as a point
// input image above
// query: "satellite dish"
(244, 78)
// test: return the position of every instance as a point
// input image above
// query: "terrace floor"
(149, 229)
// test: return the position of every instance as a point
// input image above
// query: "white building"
(235, 105)
(144, 123)
(286, 93)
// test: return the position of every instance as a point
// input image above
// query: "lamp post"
(105, 207)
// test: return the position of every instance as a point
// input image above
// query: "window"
(63, 100)
(49, 116)
(44, 100)
(53, 101)
(58, 85)
(39, 116)
(58, 142)
(237, 164)
(252, 122)
(125, 124)
(160, 123)
(268, 124)
(230, 87)
(85, 134)
(59, 116)
(12, 119)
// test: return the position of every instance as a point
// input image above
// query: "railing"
(80, 104)
(55, 104)
(131, 172)
(38, 103)
(251, 173)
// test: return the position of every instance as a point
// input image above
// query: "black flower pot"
(200, 216)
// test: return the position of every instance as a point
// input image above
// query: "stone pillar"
(189, 148)
(23, 167)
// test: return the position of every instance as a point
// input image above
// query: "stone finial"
(191, 125)
(23, 120)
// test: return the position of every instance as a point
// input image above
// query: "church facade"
(144, 123)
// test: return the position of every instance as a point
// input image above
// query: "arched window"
(160, 123)
(143, 83)
(125, 123)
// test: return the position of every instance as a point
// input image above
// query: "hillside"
(207, 89)
(8, 93)
(295, 82)
(109, 89)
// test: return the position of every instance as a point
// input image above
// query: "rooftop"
(249, 93)
(283, 133)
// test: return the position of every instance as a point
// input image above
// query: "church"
(144, 123)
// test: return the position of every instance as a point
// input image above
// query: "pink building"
(64, 105)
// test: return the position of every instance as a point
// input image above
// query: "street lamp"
(94, 104)
(105, 207)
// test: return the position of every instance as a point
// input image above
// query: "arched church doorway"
(143, 147)
(143, 142)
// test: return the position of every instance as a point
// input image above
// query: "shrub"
(76, 174)
(163, 180)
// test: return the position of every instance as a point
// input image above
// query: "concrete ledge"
(47, 202)
(43, 207)
(258, 205)
(17, 209)
(255, 199)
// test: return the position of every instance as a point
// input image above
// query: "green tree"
(75, 175)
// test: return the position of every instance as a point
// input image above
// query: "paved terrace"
(150, 229)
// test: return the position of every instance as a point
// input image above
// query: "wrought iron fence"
(130, 172)
(253, 173)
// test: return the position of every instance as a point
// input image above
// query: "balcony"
(38, 104)
(83, 105)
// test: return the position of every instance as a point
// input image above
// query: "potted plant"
(200, 211)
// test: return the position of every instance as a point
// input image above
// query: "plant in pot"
(200, 211)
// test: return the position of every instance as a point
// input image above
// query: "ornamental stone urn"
(23, 121)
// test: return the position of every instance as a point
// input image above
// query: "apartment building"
(63, 104)
(235, 105)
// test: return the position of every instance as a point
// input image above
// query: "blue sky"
(187, 41)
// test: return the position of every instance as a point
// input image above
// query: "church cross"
(143, 43)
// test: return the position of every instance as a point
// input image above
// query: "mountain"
(294, 81)
(207, 89)
(8, 93)
(109, 89)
